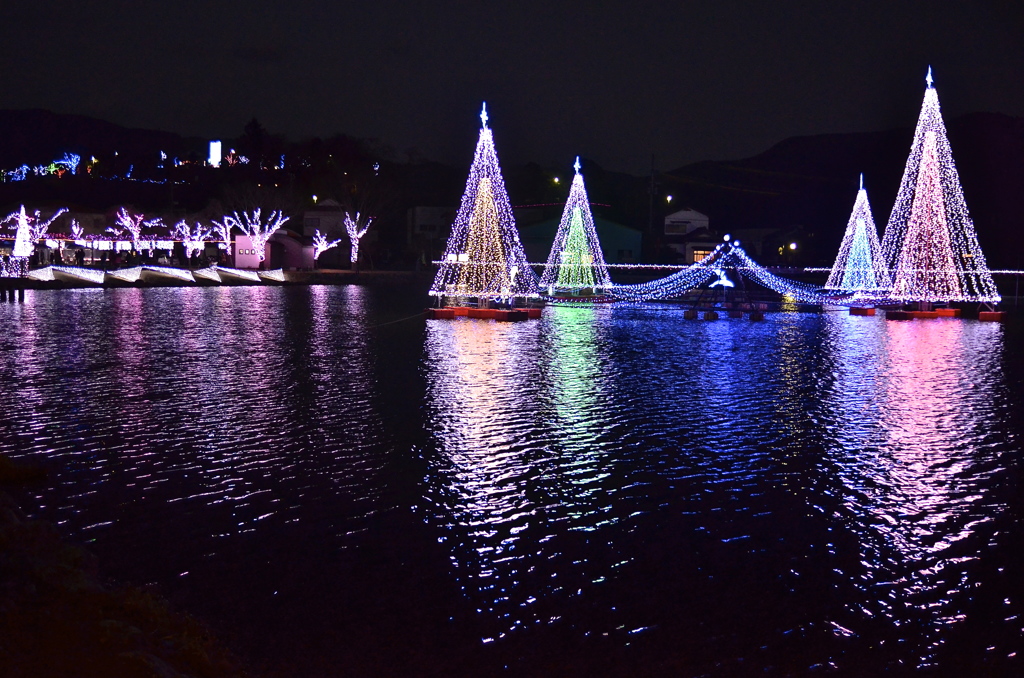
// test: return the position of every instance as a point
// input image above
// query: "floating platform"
(861, 310)
(992, 316)
(498, 314)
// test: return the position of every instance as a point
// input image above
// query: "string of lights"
(192, 238)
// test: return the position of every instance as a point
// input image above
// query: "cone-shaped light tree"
(24, 243)
(484, 257)
(930, 244)
(576, 261)
(860, 266)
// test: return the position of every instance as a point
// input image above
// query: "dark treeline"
(803, 186)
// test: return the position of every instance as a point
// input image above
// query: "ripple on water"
(605, 489)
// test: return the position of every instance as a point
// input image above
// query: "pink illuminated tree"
(321, 244)
(930, 243)
(253, 225)
(131, 225)
(356, 227)
(193, 238)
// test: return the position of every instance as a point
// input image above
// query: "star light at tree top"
(930, 243)
(484, 257)
(576, 261)
(860, 266)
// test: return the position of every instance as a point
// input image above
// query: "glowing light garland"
(481, 218)
(193, 239)
(321, 244)
(355, 233)
(13, 267)
(252, 225)
(208, 273)
(251, 276)
(223, 231)
(23, 241)
(277, 275)
(675, 285)
(727, 256)
(860, 265)
(576, 260)
(930, 243)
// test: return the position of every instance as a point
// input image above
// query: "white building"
(685, 221)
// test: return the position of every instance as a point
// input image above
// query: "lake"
(339, 486)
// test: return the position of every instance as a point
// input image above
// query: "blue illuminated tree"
(860, 267)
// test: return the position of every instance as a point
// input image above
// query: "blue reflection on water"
(605, 488)
(823, 452)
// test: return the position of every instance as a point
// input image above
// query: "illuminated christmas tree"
(484, 257)
(484, 271)
(930, 244)
(576, 261)
(24, 243)
(860, 266)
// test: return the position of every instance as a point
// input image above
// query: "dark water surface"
(341, 490)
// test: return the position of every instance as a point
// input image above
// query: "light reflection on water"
(605, 490)
(918, 443)
(611, 421)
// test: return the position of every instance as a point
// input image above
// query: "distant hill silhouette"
(812, 182)
(37, 136)
(808, 182)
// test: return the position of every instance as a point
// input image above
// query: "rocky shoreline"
(58, 618)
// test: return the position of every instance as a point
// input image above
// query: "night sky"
(612, 81)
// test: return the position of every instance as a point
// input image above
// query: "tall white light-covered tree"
(576, 260)
(356, 227)
(930, 243)
(29, 229)
(193, 238)
(127, 223)
(484, 228)
(860, 266)
(223, 231)
(253, 225)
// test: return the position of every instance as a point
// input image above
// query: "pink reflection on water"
(915, 408)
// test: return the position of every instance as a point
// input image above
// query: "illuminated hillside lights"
(481, 218)
(930, 244)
